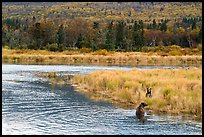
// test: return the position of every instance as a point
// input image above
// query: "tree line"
(55, 35)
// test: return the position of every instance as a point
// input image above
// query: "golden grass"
(102, 57)
(55, 78)
(174, 90)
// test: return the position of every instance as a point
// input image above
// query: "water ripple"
(31, 106)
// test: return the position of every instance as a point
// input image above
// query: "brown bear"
(140, 111)
(149, 92)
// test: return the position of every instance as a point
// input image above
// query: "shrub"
(175, 53)
(61, 47)
(146, 49)
(52, 47)
(200, 47)
(102, 52)
(85, 50)
(175, 47)
(6, 46)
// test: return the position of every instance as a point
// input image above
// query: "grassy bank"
(102, 57)
(174, 90)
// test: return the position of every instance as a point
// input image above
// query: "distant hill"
(146, 11)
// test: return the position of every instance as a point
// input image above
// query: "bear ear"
(144, 104)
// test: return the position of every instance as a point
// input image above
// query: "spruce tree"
(154, 25)
(60, 35)
(79, 41)
(119, 42)
(138, 36)
(109, 45)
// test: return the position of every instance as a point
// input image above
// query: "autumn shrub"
(174, 47)
(101, 52)
(6, 46)
(200, 47)
(175, 53)
(85, 50)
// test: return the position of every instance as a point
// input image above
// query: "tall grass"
(174, 90)
(101, 57)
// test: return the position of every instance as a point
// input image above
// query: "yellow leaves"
(180, 30)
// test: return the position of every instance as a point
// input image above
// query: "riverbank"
(174, 91)
(102, 57)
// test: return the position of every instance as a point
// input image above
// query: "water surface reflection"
(31, 105)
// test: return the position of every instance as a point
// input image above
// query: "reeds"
(101, 57)
(174, 90)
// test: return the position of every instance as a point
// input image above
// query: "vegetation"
(113, 33)
(128, 26)
(173, 55)
(55, 78)
(173, 90)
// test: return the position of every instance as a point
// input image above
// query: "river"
(31, 105)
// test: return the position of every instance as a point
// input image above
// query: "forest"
(114, 26)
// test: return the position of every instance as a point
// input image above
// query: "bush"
(146, 49)
(6, 46)
(52, 47)
(101, 52)
(200, 47)
(85, 50)
(175, 47)
(61, 47)
(175, 53)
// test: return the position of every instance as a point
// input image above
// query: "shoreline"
(133, 106)
(167, 98)
(125, 90)
(42, 57)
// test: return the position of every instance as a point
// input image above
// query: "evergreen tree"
(138, 35)
(119, 41)
(200, 36)
(79, 41)
(109, 45)
(193, 26)
(163, 26)
(60, 35)
(154, 25)
(36, 34)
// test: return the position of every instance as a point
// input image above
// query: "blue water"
(30, 105)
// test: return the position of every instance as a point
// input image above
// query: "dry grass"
(96, 58)
(174, 90)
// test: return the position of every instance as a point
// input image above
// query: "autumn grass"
(174, 90)
(100, 57)
(55, 78)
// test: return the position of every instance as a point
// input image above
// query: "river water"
(31, 105)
